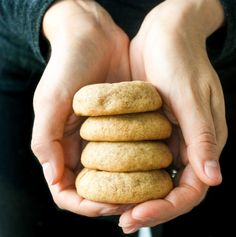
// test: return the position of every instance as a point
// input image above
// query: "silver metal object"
(173, 173)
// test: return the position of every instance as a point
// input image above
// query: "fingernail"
(132, 229)
(212, 169)
(47, 171)
(125, 225)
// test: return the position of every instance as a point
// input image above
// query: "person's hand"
(86, 47)
(169, 51)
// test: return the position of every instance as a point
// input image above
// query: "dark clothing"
(26, 207)
(22, 44)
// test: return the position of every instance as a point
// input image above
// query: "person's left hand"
(169, 51)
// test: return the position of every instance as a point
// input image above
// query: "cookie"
(123, 188)
(126, 156)
(128, 127)
(116, 98)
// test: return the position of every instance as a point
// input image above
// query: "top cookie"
(116, 98)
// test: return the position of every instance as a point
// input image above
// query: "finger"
(197, 125)
(218, 114)
(72, 143)
(66, 197)
(47, 148)
(69, 200)
(51, 107)
(182, 199)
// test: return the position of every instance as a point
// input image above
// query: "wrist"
(65, 21)
(50, 23)
(198, 17)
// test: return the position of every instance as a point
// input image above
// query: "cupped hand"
(169, 51)
(86, 47)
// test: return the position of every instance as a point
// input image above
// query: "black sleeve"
(23, 19)
(222, 44)
(230, 24)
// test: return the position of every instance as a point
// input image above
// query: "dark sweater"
(22, 45)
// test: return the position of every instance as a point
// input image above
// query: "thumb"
(201, 146)
(50, 110)
(203, 155)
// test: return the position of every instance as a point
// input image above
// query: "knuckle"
(38, 149)
(57, 200)
(59, 205)
(205, 139)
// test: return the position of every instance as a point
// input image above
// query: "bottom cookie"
(121, 188)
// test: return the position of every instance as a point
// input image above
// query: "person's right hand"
(86, 47)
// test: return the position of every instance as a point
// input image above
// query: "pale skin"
(168, 51)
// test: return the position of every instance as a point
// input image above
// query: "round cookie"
(116, 98)
(126, 156)
(128, 127)
(134, 187)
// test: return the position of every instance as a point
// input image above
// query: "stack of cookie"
(124, 159)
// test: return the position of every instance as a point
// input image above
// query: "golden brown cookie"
(133, 187)
(116, 98)
(128, 127)
(126, 156)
